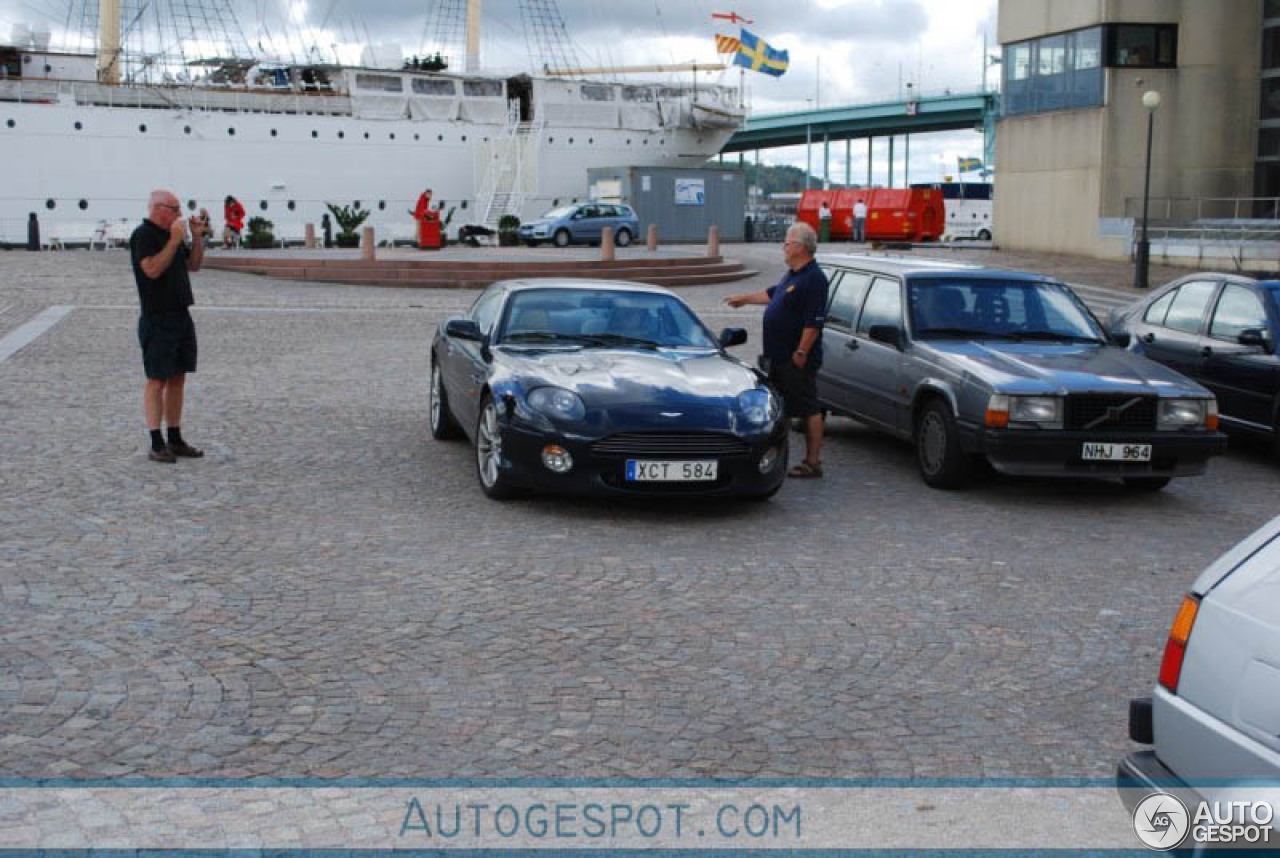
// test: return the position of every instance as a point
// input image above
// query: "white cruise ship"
(82, 149)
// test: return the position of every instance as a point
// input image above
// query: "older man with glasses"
(795, 313)
(161, 263)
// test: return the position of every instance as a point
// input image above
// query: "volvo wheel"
(943, 464)
(562, 238)
(623, 238)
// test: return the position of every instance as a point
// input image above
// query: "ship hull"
(83, 167)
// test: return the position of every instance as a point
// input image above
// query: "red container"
(916, 215)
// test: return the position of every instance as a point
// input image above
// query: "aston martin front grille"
(660, 445)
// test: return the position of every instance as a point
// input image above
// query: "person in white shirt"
(860, 221)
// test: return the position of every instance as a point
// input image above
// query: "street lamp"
(1150, 100)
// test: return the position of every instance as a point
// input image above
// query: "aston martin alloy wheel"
(443, 425)
(489, 453)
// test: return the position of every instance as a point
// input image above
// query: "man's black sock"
(175, 435)
(157, 440)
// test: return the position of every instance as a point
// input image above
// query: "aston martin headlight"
(760, 405)
(1183, 413)
(558, 402)
(1044, 411)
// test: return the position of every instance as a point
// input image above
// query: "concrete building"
(1071, 144)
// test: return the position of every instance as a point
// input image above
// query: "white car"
(1214, 719)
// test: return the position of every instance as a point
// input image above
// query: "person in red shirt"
(233, 214)
(424, 215)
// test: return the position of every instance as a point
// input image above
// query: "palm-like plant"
(348, 218)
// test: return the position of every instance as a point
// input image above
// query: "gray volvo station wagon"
(970, 362)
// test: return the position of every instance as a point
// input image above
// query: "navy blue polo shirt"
(799, 301)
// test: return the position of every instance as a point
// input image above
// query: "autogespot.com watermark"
(1163, 821)
(614, 821)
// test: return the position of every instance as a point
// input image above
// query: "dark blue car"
(598, 387)
(1220, 330)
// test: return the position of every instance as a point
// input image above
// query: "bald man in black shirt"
(161, 262)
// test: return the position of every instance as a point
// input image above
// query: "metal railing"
(227, 100)
(1205, 208)
(1207, 234)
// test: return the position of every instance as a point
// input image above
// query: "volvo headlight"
(1042, 411)
(1186, 413)
(760, 405)
(558, 402)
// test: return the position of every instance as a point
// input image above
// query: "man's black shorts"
(799, 387)
(168, 344)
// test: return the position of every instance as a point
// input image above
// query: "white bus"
(968, 207)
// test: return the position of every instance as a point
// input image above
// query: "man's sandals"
(806, 470)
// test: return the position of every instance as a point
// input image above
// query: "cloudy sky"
(842, 51)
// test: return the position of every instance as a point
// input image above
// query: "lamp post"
(1150, 100)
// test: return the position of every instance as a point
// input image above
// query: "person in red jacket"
(428, 222)
(233, 214)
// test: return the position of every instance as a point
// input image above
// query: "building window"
(1271, 9)
(1059, 72)
(1143, 46)
(1271, 49)
(1270, 98)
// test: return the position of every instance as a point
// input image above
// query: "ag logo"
(1160, 821)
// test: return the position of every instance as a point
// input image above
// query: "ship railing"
(203, 98)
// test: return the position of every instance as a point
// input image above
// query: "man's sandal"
(806, 470)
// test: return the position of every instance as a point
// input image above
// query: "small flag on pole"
(727, 44)
(969, 165)
(755, 54)
(732, 17)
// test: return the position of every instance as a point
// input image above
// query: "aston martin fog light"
(557, 459)
(769, 460)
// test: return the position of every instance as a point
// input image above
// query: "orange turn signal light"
(1175, 649)
(997, 419)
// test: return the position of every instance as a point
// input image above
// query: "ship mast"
(109, 41)
(473, 35)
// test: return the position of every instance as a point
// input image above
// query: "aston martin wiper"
(618, 340)
(1055, 335)
(968, 333)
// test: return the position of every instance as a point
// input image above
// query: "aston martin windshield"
(597, 318)
(998, 309)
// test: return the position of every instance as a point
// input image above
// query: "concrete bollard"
(652, 239)
(713, 241)
(311, 236)
(606, 244)
(367, 245)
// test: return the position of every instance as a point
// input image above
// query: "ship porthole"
(315, 133)
(356, 204)
(186, 129)
(341, 135)
(50, 204)
(464, 205)
(628, 141)
(439, 137)
(11, 123)
(263, 205)
(273, 132)
(551, 139)
(415, 137)
(84, 204)
(591, 140)
(231, 132)
(191, 205)
(292, 205)
(142, 129)
(392, 136)
(382, 205)
(570, 141)
(79, 125)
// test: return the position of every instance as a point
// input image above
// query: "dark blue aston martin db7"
(598, 387)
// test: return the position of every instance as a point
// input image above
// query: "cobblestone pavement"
(328, 593)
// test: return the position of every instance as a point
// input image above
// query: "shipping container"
(683, 202)
(893, 214)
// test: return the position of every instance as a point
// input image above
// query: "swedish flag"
(969, 165)
(755, 54)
